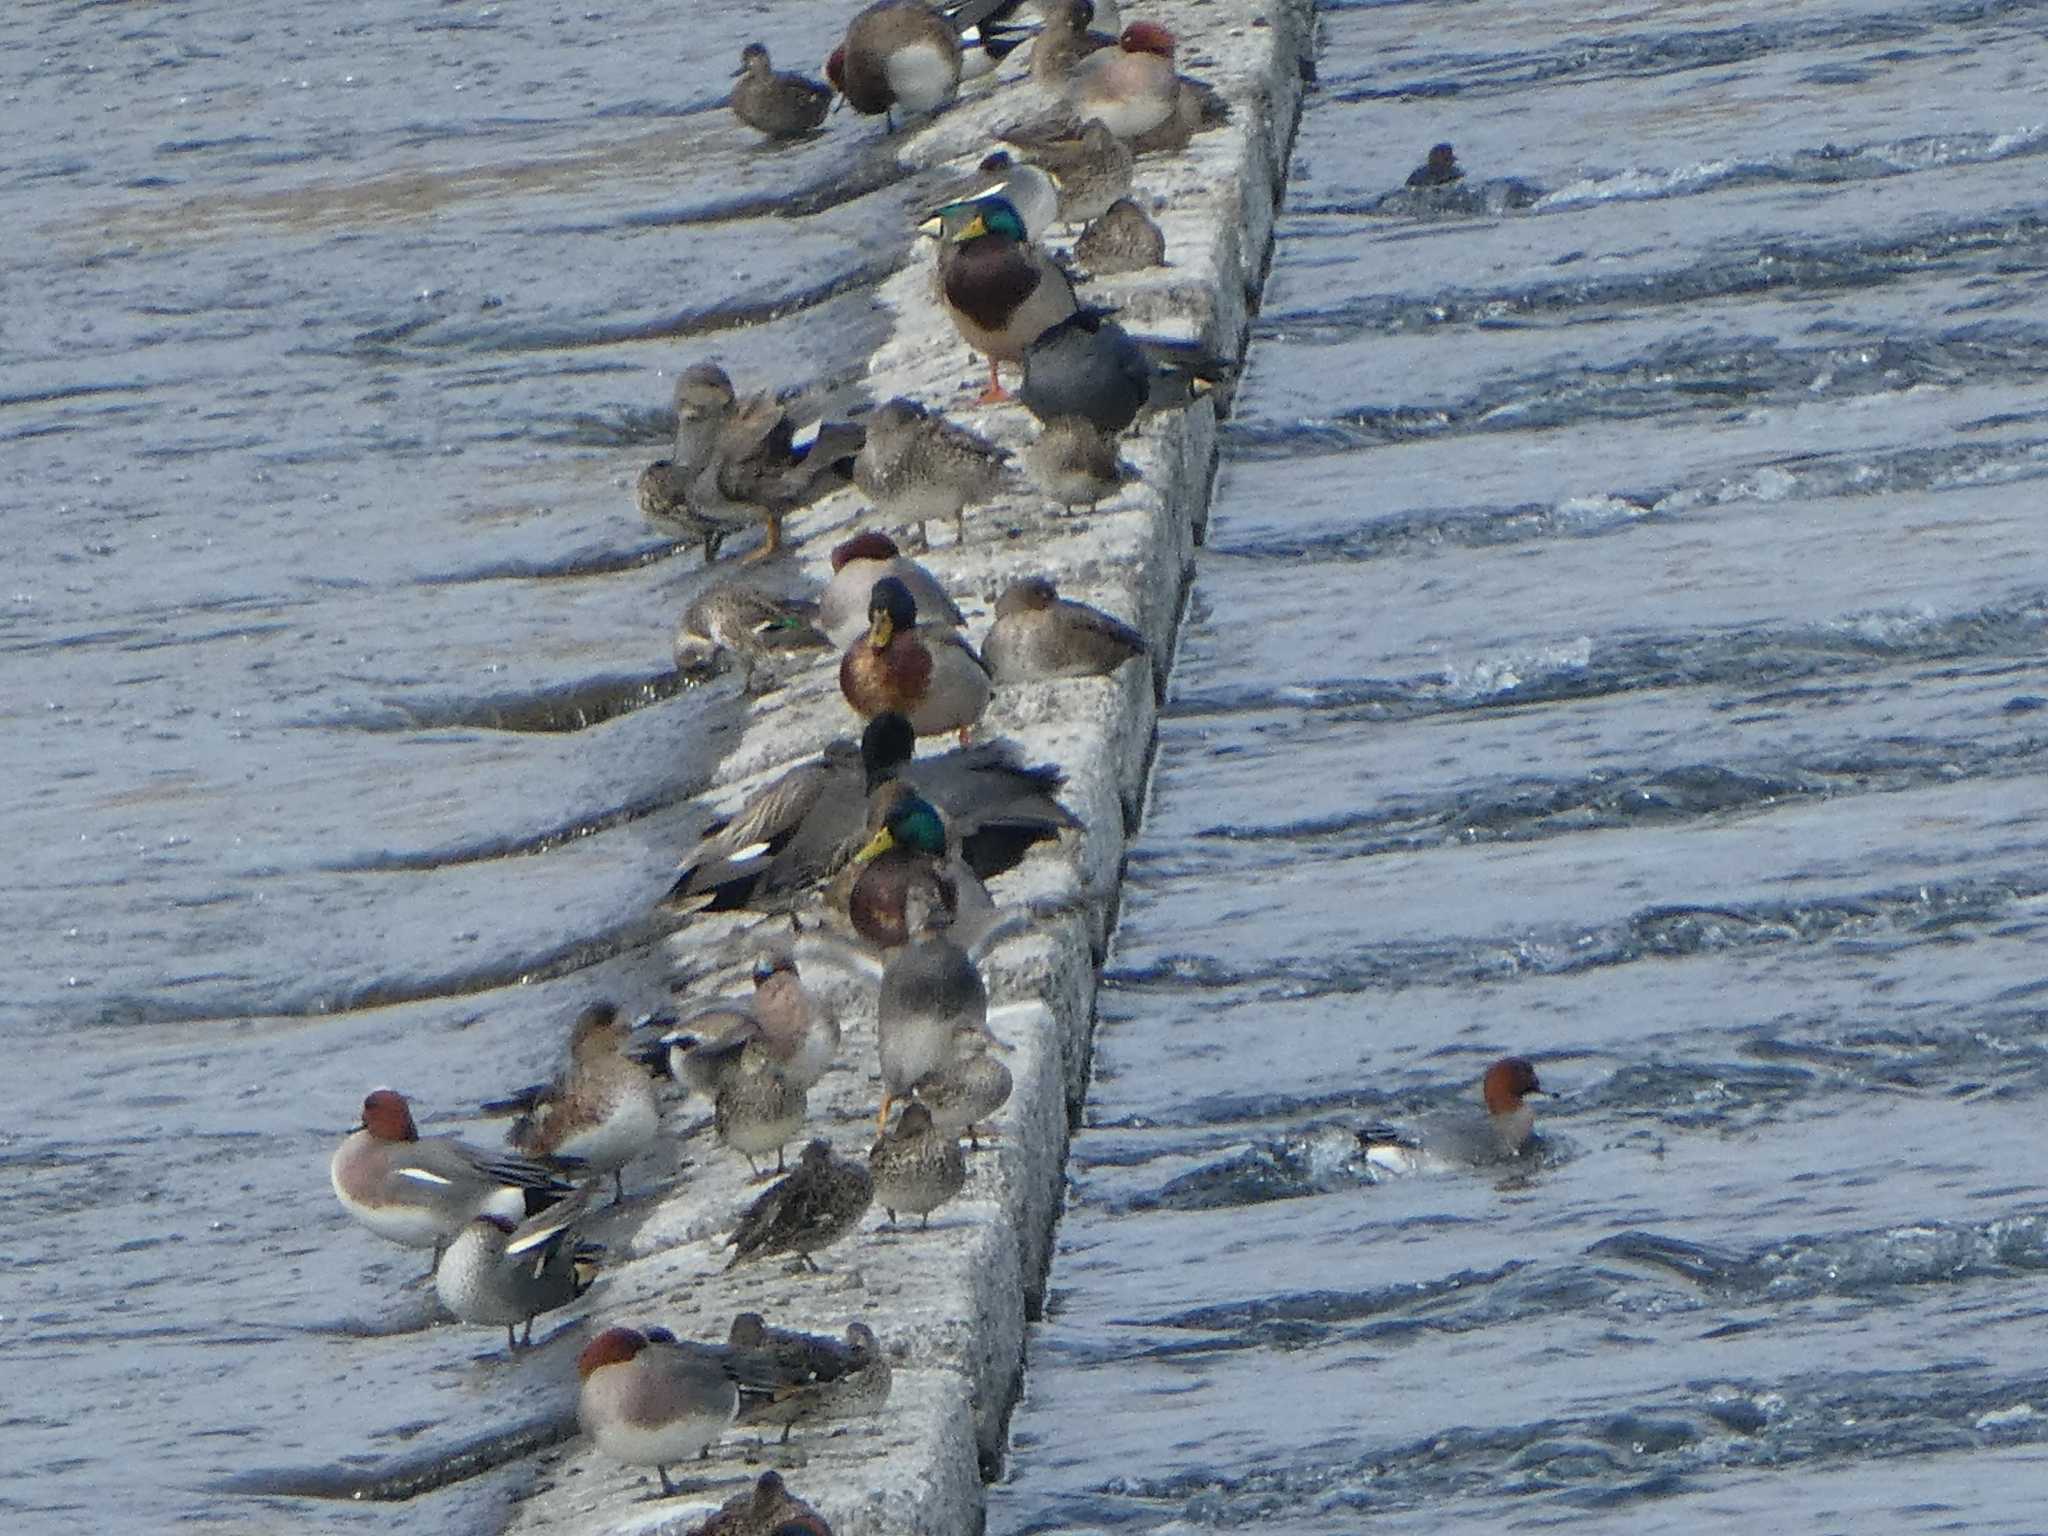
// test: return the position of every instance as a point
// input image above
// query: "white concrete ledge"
(951, 1303)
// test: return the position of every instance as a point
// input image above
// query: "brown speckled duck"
(928, 674)
(779, 103)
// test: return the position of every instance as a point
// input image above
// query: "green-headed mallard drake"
(994, 808)
(1039, 634)
(820, 1200)
(1028, 188)
(908, 852)
(1075, 462)
(927, 673)
(1123, 239)
(779, 103)
(785, 838)
(915, 1166)
(931, 989)
(915, 465)
(1001, 291)
(753, 625)
(860, 562)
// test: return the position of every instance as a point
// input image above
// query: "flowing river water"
(1619, 640)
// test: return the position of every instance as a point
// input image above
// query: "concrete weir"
(950, 1303)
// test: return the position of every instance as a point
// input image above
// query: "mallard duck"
(908, 853)
(931, 989)
(1075, 462)
(1439, 169)
(857, 565)
(1039, 634)
(994, 808)
(1089, 366)
(927, 673)
(785, 838)
(915, 1166)
(781, 104)
(915, 464)
(1091, 165)
(1000, 290)
(820, 1200)
(1123, 239)
(1028, 188)
(756, 626)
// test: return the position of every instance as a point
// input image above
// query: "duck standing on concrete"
(927, 673)
(1123, 239)
(916, 1167)
(703, 399)
(496, 1272)
(650, 1401)
(598, 1112)
(930, 990)
(820, 1200)
(1027, 187)
(899, 53)
(758, 627)
(1001, 291)
(1135, 92)
(421, 1191)
(860, 562)
(778, 103)
(788, 1377)
(1068, 36)
(1075, 462)
(786, 837)
(1039, 634)
(916, 465)
(909, 850)
(1091, 367)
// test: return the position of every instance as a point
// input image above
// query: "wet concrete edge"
(951, 1305)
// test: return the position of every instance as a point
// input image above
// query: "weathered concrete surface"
(951, 1303)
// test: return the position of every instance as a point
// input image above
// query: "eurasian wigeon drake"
(916, 465)
(916, 1166)
(1503, 1133)
(422, 1191)
(499, 1272)
(1134, 90)
(817, 1203)
(651, 1401)
(857, 564)
(598, 1112)
(1039, 634)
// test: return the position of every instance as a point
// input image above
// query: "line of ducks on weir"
(889, 850)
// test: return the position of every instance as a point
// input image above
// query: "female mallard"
(928, 674)
(1001, 291)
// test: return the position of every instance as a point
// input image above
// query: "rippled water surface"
(1619, 641)
(335, 336)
